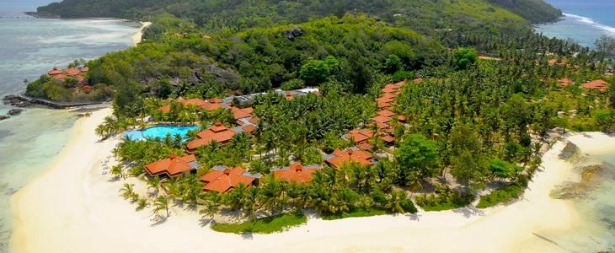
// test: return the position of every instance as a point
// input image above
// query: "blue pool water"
(159, 132)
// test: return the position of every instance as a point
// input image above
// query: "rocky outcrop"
(293, 33)
(26, 101)
(15, 111)
(572, 190)
(3, 117)
(569, 151)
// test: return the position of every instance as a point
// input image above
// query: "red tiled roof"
(55, 71)
(60, 77)
(72, 71)
(341, 157)
(382, 119)
(564, 81)
(223, 181)
(173, 166)
(388, 139)
(386, 113)
(254, 120)
(295, 173)
(218, 133)
(242, 113)
(365, 146)
(166, 108)
(596, 84)
(193, 101)
(402, 118)
(360, 136)
(84, 69)
(248, 128)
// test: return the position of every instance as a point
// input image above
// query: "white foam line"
(592, 22)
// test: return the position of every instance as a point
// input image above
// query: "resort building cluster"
(222, 179)
(64, 74)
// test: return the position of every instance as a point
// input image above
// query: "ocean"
(583, 21)
(30, 47)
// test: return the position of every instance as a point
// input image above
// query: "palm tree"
(154, 182)
(161, 203)
(127, 190)
(117, 172)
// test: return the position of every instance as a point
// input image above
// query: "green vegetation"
(467, 123)
(503, 195)
(354, 214)
(444, 199)
(268, 225)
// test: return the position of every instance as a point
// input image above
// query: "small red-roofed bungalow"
(165, 108)
(174, 166)
(360, 135)
(384, 103)
(340, 157)
(222, 179)
(388, 139)
(55, 71)
(402, 118)
(382, 119)
(84, 69)
(60, 77)
(596, 85)
(249, 128)
(386, 113)
(72, 71)
(564, 82)
(239, 113)
(218, 133)
(296, 173)
(255, 120)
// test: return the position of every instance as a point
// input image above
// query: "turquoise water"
(159, 132)
(583, 21)
(596, 233)
(30, 47)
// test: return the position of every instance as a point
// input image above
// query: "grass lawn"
(267, 225)
(503, 195)
(358, 213)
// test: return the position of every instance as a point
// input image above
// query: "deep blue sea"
(584, 21)
(30, 47)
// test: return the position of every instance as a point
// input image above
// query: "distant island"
(344, 108)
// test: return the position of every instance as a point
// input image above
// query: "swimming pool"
(158, 132)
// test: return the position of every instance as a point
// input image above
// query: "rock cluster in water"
(572, 190)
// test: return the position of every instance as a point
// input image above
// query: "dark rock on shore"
(16, 101)
(3, 117)
(569, 151)
(15, 111)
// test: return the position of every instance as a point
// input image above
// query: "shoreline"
(72, 207)
(138, 37)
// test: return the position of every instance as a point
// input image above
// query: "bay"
(30, 47)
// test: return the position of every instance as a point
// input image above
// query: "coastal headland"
(75, 207)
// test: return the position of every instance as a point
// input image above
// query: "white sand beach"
(136, 39)
(74, 208)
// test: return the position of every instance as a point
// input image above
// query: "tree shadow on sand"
(158, 220)
(469, 211)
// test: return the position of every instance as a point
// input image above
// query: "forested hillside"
(420, 15)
